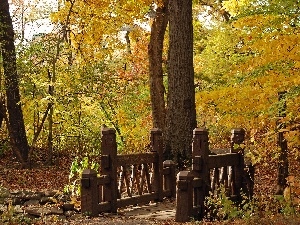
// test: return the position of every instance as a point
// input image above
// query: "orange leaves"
(292, 192)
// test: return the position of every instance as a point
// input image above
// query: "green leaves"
(76, 170)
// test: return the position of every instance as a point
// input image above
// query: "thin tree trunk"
(51, 111)
(181, 112)
(155, 51)
(39, 127)
(16, 121)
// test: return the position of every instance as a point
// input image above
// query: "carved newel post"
(200, 166)
(108, 166)
(89, 192)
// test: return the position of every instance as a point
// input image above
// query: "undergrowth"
(220, 207)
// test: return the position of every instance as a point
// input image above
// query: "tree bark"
(181, 112)
(16, 121)
(155, 51)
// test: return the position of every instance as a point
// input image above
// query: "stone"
(69, 213)
(30, 217)
(62, 198)
(2, 200)
(76, 216)
(16, 201)
(15, 192)
(18, 209)
(38, 211)
(44, 200)
(50, 193)
(24, 194)
(61, 217)
(4, 193)
(68, 206)
(3, 208)
(31, 202)
(57, 211)
(34, 196)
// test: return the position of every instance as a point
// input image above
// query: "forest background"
(92, 70)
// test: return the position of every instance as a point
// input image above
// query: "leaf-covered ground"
(55, 177)
(41, 177)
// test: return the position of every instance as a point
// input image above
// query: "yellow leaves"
(272, 53)
(76, 202)
(257, 22)
(234, 6)
(246, 64)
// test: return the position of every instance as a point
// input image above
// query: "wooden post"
(283, 164)
(157, 146)
(89, 193)
(108, 166)
(238, 146)
(199, 166)
(170, 179)
(184, 198)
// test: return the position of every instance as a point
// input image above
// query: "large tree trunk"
(155, 51)
(16, 122)
(181, 112)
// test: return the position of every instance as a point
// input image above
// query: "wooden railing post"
(238, 146)
(157, 146)
(200, 168)
(108, 166)
(170, 179)
(184, 197)
(89, 193)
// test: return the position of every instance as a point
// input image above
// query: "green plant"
(4, 146)
(76, 170)
(221, 207)
(289, 202)
(9, 217)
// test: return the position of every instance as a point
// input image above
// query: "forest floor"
(55, 177)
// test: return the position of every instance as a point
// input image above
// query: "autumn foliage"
(96, 62)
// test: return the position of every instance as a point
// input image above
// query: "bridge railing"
(210, 171)
(127, 179)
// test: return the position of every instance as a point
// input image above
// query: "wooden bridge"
(135, 179)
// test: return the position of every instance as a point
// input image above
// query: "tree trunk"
(181, 112)
(155, 51)
(50, 118)
(16, 121)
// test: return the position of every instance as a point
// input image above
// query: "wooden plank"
(222, 160)
(147, 174)
(136, 159)
(167, 193)
(196, 210)
(136, 180)
(104, 207)
(139, 199)
(220, 151)
(145, 179)
(127, 182)
(197, 182)
(104, 179)
(121, 183)
(166, 171)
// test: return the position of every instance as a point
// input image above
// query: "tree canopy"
(93, 69)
